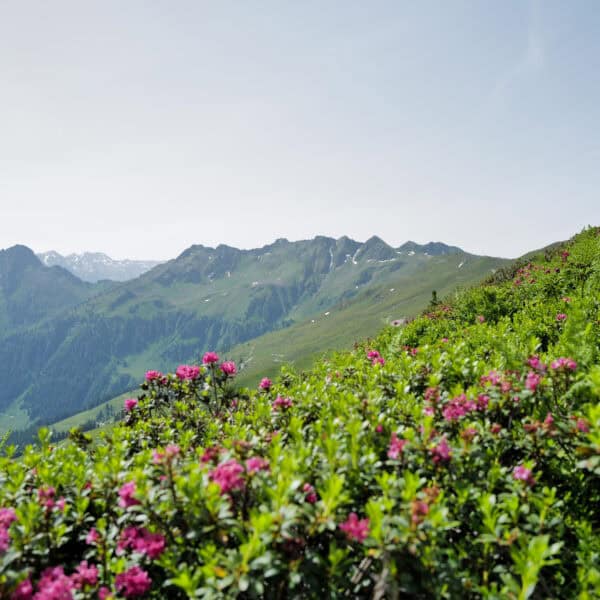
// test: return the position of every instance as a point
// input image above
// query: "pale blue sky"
(140, 127)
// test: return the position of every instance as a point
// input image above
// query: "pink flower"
(428, 411)
(187, 372)
(532, 381)
(139, 539)
(373, 355)
(4, 539)
(495, 428)
(535, 363)
(104, 593)
(171, 451)
(133, 583)
(564, 364)
(458, 407)
(7, 516)
(92, 537)
(209, 358)
(379, 428)
(54, 585)
(281, 403)
(24, 591)
(228, 476)
(582, 425)
(396, 446)
(265, 384)
(480, 319)
(126, 493)
(210, 455)
(311, 494)
(549, 421)
(482, 402)
(46, 497)
(441, 452)
(84, 576)
(228, 367)
(566, 299)
(561, 317)
(61, 504)
(492, 377)
(152, 375)
(523, 474)
(130, 404)
(378, 361)
(354, 528)
(257, 463)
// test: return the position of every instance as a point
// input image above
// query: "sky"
(139, 128)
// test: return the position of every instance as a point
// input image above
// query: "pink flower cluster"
(535, 363)
(228, 367)
(46, 497)
(523, 474)
(281, 403)
(441, 452)
(561, 317)
(564, 364)
(375, 357)
(257, 463)
(54, 584)
(265, 384)
(153, 375)
(310, 493)
(458, 407)
(532, 381)
(139, 539)
(210, 358)
(130, 404)
(228, 476)
(126, 493)
(187, 372)
(355, 528)
(396, 446)
(7, 516)
(133, 583)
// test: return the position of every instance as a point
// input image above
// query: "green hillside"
(457, 456)
(31, 292)
(346, 323)
(218, 297)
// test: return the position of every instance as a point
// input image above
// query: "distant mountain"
(31, 292)
(206, 298)
(95, 266)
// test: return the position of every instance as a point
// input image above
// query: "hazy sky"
(140, 127)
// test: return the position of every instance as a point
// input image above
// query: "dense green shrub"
(456, 457)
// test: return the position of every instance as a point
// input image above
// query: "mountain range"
(96, 266)
(67, 345)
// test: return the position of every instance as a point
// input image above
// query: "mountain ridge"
(219, 297)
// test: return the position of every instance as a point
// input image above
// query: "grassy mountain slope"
(216, 297)
(455, 457)
(347, 322)
(31, 292)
